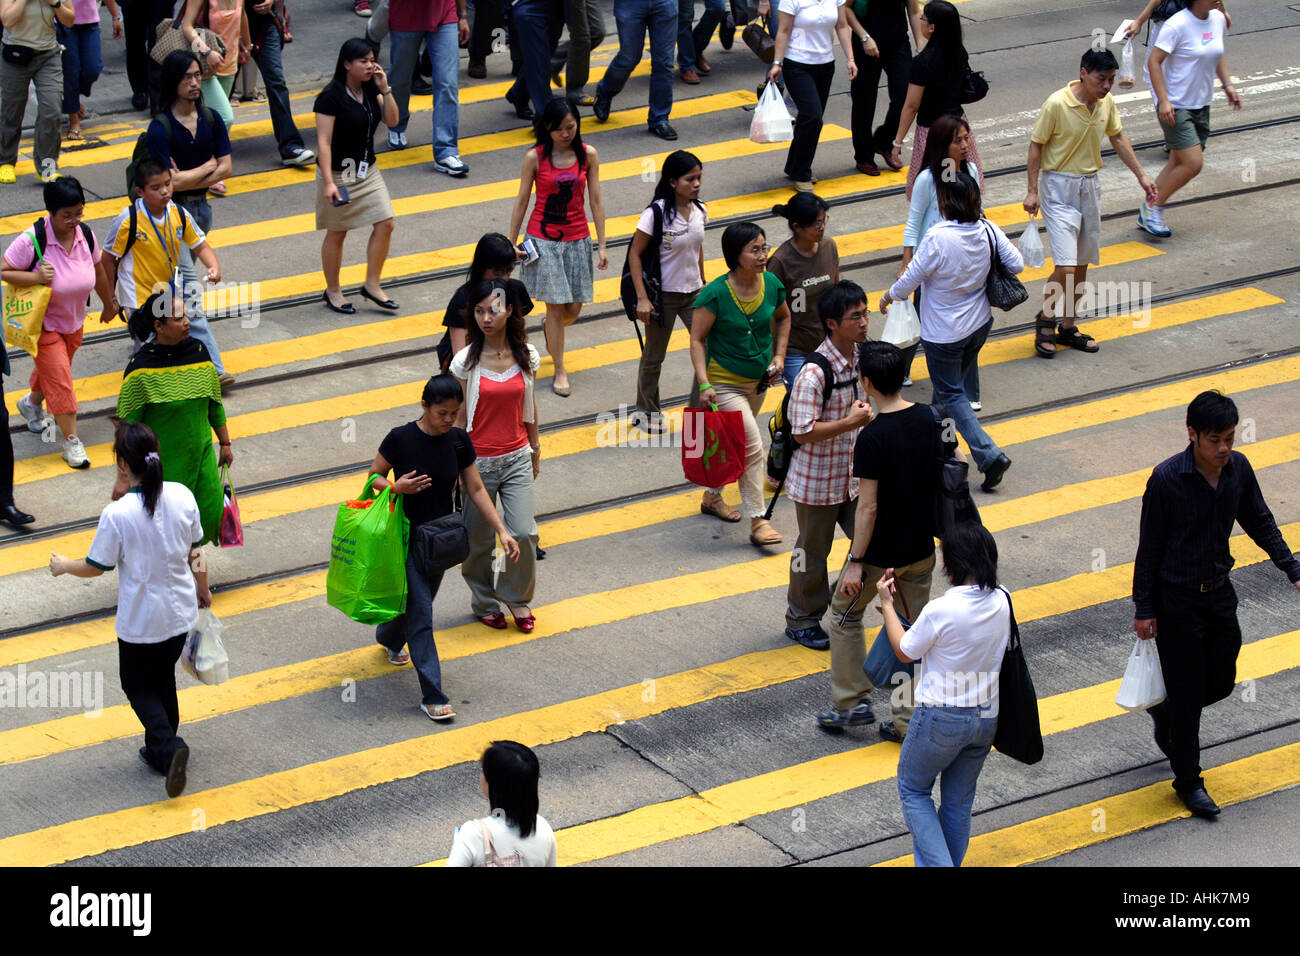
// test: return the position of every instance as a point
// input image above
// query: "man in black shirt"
(880, 44)
(1180, 580)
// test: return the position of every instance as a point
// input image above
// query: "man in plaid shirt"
(820, 480)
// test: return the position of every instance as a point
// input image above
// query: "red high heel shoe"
(525, 623)
(495, 620)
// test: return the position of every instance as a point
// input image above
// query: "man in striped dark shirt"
(1180, 580)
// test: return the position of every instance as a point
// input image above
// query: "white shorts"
(1071, 208)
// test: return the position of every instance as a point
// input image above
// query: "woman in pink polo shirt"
(63, 254)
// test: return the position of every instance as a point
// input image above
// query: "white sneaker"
(301, 157)
(907, 380)
(452, 166)
(74, 453)
(396, 140)
(1152, 219)
(976, 407)
(36, 417)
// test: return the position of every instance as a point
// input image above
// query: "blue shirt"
(210, 141)
(924, 209)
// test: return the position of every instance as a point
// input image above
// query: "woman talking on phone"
(350, 190)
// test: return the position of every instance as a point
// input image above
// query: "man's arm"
(1124, 150)
(1152, 536)
(864, 526)
(1257, 520)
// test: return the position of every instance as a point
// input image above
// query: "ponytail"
(136, 446)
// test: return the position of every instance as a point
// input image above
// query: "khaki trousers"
(809, 593)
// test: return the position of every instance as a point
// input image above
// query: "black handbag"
(441, 544)
(758, 37)
(1004, 290)
(1019, 735)
(953, 503)
(651, 274)
(17, 55)
(974, 87)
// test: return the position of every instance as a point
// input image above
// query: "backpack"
(784, 445)
(133, 218)
(38, 228)
(651, 276)
(141, 150)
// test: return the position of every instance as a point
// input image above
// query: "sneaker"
(361, 8)
(35, 415)
(7, 174)
(889, 731)
(396, 140)
(977, 406)
(856, 717)
(225, 378)
(52, 175)
(301, 156)
(74, 453)
(907, 380)
(1152, 219)
(811, 637)
(452, 166)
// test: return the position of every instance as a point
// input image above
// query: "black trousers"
(895, 61)
(489, 16)
(810, 88)
(6, 453)
(148, 675)
(140, 20)
(1198, 638)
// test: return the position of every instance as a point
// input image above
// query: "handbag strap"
(489, 849)
(1014, 641)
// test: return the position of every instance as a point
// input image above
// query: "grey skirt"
(562, 272)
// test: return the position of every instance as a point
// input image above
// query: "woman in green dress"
(171, 386)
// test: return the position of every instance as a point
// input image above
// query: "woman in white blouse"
(515, 834)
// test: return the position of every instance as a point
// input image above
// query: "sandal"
(75, 134)
(438, 711)
(719, 509)
(763, 534)
(1044, 334)
(1075, 339)
(399, 657)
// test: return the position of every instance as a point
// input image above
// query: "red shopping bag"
(231, 534)
(713, 446)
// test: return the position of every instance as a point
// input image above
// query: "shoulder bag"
(953, 503)
(171, 38)
(651, 271)
(443, 543)
(974, 87)
(1004, 290)
(758, 37)
(1018, 735)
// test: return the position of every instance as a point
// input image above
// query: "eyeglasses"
(858, 316)
(757, 251)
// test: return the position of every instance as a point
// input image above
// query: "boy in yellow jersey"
(142, 251)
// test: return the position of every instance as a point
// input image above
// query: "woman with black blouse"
(351, 191)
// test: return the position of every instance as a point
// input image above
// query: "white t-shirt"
(812, 41)
(679, 256)
(1195, 48)
(538, 849)
(959, 639)
(156, 598)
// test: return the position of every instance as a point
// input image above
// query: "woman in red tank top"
(563, 169)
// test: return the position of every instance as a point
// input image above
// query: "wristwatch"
(777, 62)
(857, 560)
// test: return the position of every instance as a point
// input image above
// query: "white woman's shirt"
(1195, 48)
(959, 639)
(812, 41)
(537, 849)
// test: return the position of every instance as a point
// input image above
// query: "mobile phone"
(531, 254)
(344, 198)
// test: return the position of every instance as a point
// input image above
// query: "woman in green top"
(171, 386)
(738, 336)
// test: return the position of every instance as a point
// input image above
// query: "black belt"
(1209, 586)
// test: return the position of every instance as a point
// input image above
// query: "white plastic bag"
(772, 122)
(1143, 685)
(1126, 73)
(902, 324)
(204, 656)
(1031, 246)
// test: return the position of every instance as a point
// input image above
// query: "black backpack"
(651, 276)
(133, 217)
(38, 227)
(141, 150)
(783, 447)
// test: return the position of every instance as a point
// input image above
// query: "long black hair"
(942, 132)
(549, 120)
(170, 75)
(677, 165)
(516, 333)
(355, 48)
(136, 446)
(493, 251)
(512, 773)
(945, 19)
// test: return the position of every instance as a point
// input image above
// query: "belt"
(1214, 585)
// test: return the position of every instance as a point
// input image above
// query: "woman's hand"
(117, 28)
(885, 588)
(870, 48)
(1165, 111)
(896, 156)
(245, 51)
(1234, 98)
(774, 74)
(226, 456)
(411, 483)
(380, 77)
(907, 260)
(509, 545)
(852, 582)
(45, 274)
(644, 309)
(203, 594)
(58, 564)
(332, 194)
(214, 63)
(853, 70)
(708, 396)
(886, 301)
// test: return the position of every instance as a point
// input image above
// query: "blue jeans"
(635, 18)
(691, 42)
(82, 62)
(268, 58)
(949, 743)
(415, 629)
(444, 54)
(530, 23)
(202, 214)
(949, 364)
(793, 363)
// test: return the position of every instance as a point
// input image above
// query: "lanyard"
(171, 261)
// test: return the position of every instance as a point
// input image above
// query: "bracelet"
(224, 444)
(857, 560)
(385, 92)
(898, 146)
(705, 386)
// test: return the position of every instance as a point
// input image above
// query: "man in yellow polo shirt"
(1066, 146)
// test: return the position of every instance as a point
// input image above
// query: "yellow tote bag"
(24, 311)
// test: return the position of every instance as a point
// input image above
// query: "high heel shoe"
(382, 303)
(495, 620)
(526, 623)
(347, 308)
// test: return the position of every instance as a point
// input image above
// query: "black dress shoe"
(382, 303)
(993, 477)
(14, 517)
(1199, 802)
(664, 131)
(175, 784)
(347, 308)
(421, 87)
(139, 101)
(522, 109)
(727, 31)
(477, 69)
(601, 108)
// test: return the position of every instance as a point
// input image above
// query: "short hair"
(837, 299)
(881, 364)
(147, 169)
(1212, 411)
(735, 238)
(442, 388)
(959, 197)
(1098, 61)
(969, 551)
(512, 773)
(62, 193)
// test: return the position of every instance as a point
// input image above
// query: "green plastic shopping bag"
(367, 574)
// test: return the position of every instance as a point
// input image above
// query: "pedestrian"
(192, 141)
(691, 64)
(738, 341)
(534, 23)
(515, 834)
(31, 59)
(934, 87)
(681, 273)
(269, 32)
(350, 190)
(1155, 13)
(1187, 56)
(137, 269)
(247, 88)
(636, 18)
(808, 263)
(946, 147)
(951, 266)
(1181, 589)
(565, 172)
(494, 257)
(442, 25)
(1066, 145)
(880, 45)
(83, 60)
(894, 463)
(805, 56)
(60, 252)
(489, 18)
(227, 20)
(825, 411)
(147, 532)
(141, 19)
(10, 513)
(428, 457)
(498, 372)
(171, 386)
(963, 632)
(586, 32)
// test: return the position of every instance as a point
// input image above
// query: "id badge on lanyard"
(363, 167)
